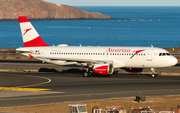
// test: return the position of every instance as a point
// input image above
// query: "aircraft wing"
(78, 60)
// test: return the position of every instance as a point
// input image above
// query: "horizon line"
(124, 6)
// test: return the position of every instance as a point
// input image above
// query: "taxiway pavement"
(65, 87)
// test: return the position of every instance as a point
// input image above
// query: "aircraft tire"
(153, 75)
(86, 74)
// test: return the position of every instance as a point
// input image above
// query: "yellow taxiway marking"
(23, 89)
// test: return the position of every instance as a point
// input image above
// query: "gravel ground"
(157, 103)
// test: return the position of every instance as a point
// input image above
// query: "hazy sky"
(117, 2)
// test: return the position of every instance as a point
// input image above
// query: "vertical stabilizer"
(30, 36)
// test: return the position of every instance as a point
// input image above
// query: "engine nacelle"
(134, 70)
(103, 69)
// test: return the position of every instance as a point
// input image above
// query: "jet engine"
(103, 69)
(134, 70)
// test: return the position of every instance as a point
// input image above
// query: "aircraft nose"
(174, 61)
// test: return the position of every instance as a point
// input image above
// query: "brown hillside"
(39, 9)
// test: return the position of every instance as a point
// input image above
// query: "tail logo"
(26, 30)
(136, 52)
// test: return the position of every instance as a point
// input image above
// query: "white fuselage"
(120, 57)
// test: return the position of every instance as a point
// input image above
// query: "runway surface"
(73, 87)
(64, 87)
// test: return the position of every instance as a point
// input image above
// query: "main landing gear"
(153, 73)
(88, 73)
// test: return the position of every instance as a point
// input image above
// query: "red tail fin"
(30, 36)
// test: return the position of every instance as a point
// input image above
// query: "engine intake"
(103, 69)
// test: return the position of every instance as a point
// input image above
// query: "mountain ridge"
(39, 9)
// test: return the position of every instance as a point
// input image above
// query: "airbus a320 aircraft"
(99, 60)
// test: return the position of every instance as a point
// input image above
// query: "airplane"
(99, 60)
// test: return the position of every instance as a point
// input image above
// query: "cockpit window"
(164, 54)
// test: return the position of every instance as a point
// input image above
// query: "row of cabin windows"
(54, 53)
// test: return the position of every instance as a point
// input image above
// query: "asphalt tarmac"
(66, 87)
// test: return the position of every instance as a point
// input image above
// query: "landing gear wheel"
(86, 74)
(153, 75)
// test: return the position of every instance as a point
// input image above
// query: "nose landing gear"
(153, 73)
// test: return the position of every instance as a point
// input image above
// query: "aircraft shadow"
(81, 71)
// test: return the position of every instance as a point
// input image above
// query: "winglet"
(30, 36)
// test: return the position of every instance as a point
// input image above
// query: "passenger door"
(149, 55)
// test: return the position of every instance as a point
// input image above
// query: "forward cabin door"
(149, 54)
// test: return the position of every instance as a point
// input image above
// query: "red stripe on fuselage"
(36, 42)
(23, 19)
